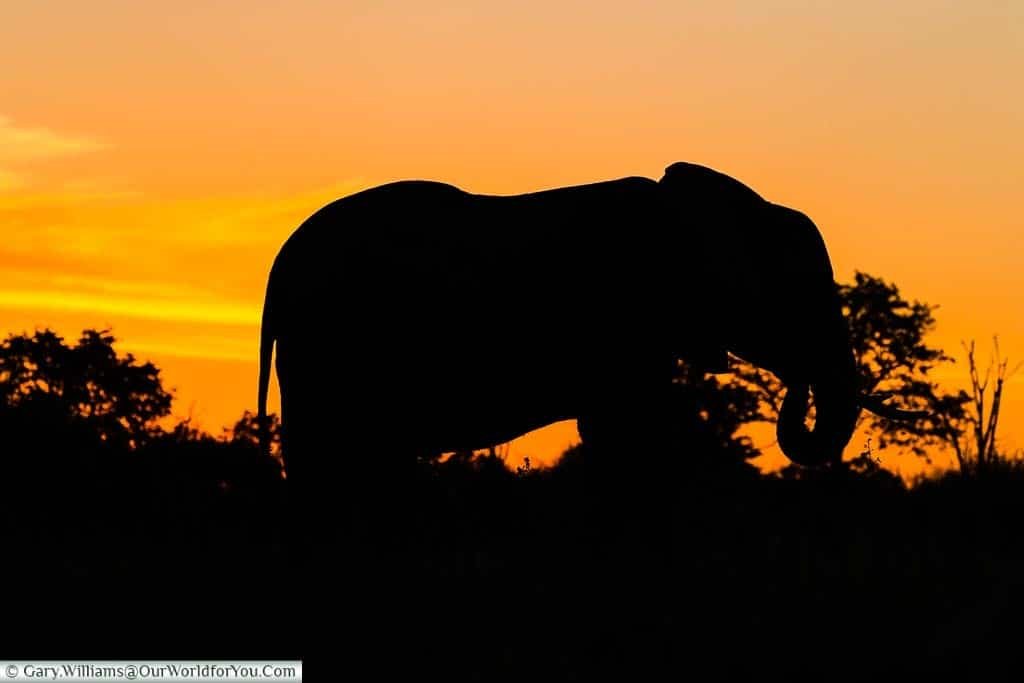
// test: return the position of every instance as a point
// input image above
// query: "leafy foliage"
(87, 386)
(247, 431)
(888, 338)
(718, 410)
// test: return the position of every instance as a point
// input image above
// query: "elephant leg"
(372, 488)
(621, 440)
(632, 409)
(628, 448)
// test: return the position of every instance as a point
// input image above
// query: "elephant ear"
(700, 186)
(718, 220)
(716, 212)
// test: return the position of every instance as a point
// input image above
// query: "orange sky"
(154, 156)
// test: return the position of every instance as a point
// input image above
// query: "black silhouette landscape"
(372, 525)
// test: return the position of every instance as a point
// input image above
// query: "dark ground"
(485, 574)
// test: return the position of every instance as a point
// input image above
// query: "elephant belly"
(462, 401)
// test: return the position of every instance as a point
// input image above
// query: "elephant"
(419, 318)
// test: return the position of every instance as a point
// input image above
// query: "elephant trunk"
(834, 383)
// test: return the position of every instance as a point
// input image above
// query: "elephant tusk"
(875, 404)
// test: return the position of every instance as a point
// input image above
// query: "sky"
(154, 156)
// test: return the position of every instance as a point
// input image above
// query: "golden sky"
(154, 156)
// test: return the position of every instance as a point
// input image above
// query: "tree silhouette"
(888, 337)
(972, 431)
(717, 409)
(246, 430)
(86, 388)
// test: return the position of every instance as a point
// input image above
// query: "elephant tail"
(268, 334)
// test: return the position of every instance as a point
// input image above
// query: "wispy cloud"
(243, 220)
(185, 310)
(185, 276)
(94, 284)
(19, 144)
(9, 180)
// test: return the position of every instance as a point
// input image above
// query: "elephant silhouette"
(418, 318)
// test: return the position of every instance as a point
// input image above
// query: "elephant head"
(777, 304)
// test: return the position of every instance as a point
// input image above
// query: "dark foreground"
(481, 573)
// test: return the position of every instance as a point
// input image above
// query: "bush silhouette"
(49, 388)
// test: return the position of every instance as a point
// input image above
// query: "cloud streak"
(193, 268)
(184, 310)
(25, 145)
(21, 144)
